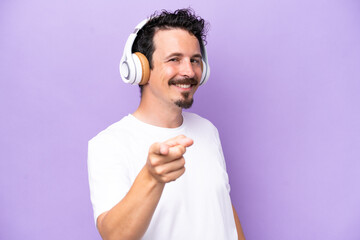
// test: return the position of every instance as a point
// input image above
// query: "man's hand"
(165, 160)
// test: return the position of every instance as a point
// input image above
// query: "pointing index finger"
(179, 140)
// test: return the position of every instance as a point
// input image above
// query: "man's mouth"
(183, 85)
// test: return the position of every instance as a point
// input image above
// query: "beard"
(187, 101)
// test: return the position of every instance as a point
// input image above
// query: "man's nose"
(187, 69)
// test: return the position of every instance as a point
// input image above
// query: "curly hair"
(182, 18)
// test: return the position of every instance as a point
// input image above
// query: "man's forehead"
(175, 39)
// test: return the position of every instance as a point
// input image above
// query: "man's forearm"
(238, 225)
(130, 218)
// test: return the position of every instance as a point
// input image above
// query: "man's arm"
(130, 218)
(238, 225)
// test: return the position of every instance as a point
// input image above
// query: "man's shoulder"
(115, 131)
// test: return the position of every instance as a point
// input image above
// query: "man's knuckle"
(166, 179)
(154, 161)
(179, 151)
(158, 171)
(181, 171)
(153, 147)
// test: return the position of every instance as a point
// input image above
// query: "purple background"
(284, 93)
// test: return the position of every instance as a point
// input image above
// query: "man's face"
(176, 69)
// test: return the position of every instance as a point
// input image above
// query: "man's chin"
(185, 104)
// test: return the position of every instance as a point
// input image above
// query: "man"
(139, 186)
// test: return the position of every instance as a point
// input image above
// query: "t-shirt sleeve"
(108, 174)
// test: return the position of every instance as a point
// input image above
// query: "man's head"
(171, 44)
(160, 33)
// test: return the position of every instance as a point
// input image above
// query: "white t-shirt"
(195, 206)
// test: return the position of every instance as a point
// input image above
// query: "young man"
(139, 186)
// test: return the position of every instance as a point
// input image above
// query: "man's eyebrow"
(174, 55)
(198, 55)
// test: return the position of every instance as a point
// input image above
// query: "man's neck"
(159, 115)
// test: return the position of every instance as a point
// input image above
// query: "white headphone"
(135, 69)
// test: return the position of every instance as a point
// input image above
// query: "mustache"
(185, 80)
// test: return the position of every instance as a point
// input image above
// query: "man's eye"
(195, 60)
(174, 60)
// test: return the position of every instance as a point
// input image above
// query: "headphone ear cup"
(202, 71)
(144, 69)
(204, 75)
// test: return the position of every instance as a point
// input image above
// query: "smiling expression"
(176, 69)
